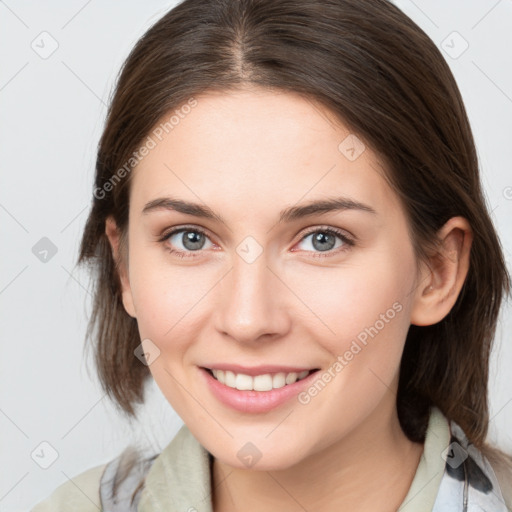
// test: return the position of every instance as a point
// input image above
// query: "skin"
(247, 155)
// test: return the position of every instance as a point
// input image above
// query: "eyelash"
(331, 231)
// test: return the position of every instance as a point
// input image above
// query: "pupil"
(192, 240)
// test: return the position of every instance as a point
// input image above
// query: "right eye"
(191, 240)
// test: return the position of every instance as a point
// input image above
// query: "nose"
(252, 304)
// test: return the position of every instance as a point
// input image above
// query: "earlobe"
(442, 279)
(113, 236)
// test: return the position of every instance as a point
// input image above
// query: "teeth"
(264, 382)
(279, 380)
(291, 378)
(243, 382)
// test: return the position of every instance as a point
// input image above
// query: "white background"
(52, 115)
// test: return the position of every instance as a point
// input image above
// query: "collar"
(179, 479)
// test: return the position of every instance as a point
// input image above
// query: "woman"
(288, 233)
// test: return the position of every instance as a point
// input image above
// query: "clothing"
(178, 479)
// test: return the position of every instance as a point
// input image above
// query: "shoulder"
(503, 472)
(487, 471)
(80, 494)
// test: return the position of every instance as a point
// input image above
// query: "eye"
(191, 239)
(324, 241)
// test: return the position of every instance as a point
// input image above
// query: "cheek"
(167, 297)
(364, 314)
(362, 305)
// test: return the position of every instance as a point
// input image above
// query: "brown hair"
(375, 69)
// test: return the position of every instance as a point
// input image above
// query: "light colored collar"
(425, 485)
(179, 479)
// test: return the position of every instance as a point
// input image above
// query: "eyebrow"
(287, 215)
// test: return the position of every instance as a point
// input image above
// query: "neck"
(370, 469)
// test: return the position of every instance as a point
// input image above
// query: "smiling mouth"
(264, 382)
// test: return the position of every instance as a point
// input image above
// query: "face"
(262, 292)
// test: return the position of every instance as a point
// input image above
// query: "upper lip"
(257, 370)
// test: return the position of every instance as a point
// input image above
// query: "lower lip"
(255, 401)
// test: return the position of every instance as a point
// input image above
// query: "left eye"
(193, 239)
(324, 240)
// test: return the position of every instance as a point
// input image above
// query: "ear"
(113, 236)
(441, 280)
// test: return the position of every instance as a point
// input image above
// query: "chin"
(248, 456)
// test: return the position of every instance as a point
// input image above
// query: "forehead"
(257, 148)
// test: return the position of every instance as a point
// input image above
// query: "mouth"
(263, 382)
